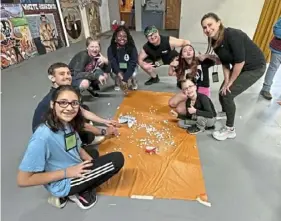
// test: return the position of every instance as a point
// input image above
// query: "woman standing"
(242, 61)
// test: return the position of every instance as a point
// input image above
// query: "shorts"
(166, 60)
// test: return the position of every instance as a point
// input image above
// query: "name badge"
(70, 141)
(159, 63)
(123, 65)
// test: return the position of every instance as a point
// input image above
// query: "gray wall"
(113, 8)
(241, 14)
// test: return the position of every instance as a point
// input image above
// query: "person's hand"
(105, 75)
(120, 75)
(102, 80)
(279, 102)
(78, 170)
(102, 60)
(191, 110)
(175, 62)
(148, 67)
(112, 131)
(174, 113)
(202, 57)
(225, 88)
(113, 123)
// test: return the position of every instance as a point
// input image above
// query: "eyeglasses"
(64, 104)
(187, 88)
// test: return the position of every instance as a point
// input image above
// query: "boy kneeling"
(200, 111)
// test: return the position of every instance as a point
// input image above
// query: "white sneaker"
(98, 139)
(224, 133)
(57, 202)
(134, 84)
(117, 88)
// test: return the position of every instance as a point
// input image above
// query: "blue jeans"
(274, 64)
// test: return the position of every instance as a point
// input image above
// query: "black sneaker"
(210, 128)
(93, 93)
(193, 130)
(85, 200)
(152, 80)
(266, 94)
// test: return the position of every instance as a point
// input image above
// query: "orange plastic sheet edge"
(174, 172)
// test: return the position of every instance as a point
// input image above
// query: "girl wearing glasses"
(200, 111)
(190, 66)
(54, 157)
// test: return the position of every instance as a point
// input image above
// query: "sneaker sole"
(75, 200)
(229, 137)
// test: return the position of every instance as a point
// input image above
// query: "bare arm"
(177, 42)
(84, 155)
(93, 117)
(26, 179)
(92, 129)
(236, 71)
(141, 57)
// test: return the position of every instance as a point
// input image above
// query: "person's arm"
(84, 155)
(113, 61)
(177, 42)
(277, 29)
(132, 65)
(93, 117)
(31, 170)
(142, 56)
(226, 73)
(171, 71)
(78, 63)
(207, 111)
(235, 39)
(90, 128)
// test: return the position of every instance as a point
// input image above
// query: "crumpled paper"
(130, 120)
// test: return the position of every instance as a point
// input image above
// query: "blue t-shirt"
(41, 109)
(46, 152)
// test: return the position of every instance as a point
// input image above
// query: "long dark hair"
(183, 65)
(214, 43)
(52, 120)
(129, 46)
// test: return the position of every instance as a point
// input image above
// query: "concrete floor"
(242, 176)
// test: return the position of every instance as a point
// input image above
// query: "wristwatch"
(103, 132)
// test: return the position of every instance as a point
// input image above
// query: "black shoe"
(93, 93)
(210, 128)
(85, 200)
(266, 94)
(193, 130)
(152, 80)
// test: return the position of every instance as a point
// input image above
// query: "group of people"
(59, 155)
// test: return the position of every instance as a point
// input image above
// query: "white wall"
(104, 16)
(241, 14)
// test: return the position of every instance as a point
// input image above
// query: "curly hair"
(52, 120)
(183, 65)
(130, 41)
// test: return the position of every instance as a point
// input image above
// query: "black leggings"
(85, 136)
(245, 80)
(104, 167)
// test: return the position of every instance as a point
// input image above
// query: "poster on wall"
(93, 15)
(45, 26)
(16, 40)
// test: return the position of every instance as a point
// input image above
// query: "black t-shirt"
(160, 52)
(203, 105)
(202, 78)
(41, 109)
(237, 47)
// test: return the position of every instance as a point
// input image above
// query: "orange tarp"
(174, 172)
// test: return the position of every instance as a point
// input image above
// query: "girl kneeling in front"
(200, 111)
(54, 157)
